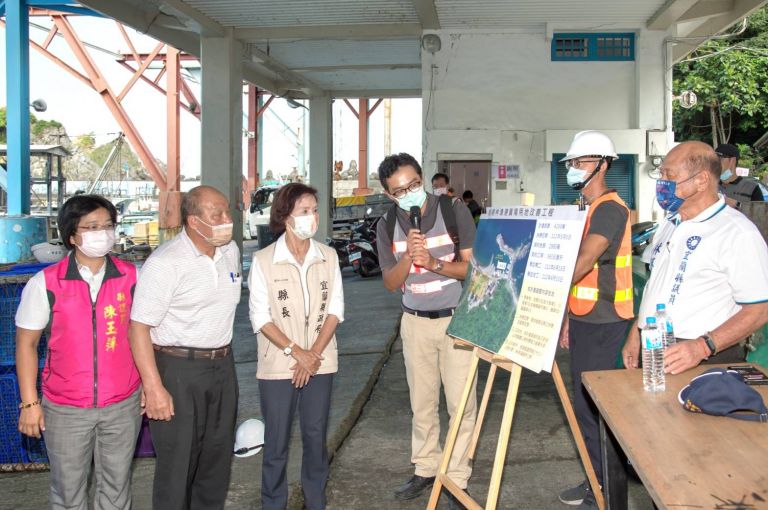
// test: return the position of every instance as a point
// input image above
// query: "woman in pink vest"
(89, 412)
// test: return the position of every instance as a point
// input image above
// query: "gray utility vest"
(424, 290)
(742, 189)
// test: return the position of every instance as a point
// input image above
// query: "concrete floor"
(541, 457)
(369, 436)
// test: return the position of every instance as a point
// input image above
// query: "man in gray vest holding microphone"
(425, 243)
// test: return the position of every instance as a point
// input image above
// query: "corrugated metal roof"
(506, 13)
(452, 13)
(277, 13)
(371, 45)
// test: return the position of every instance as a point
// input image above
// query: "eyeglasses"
(404, 191)
(666, 177)
(246, 449)
(577, 163)
(95, 227)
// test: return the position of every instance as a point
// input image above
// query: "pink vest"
(89, 361)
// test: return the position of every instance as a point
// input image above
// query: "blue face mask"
(575, 176)
(666, 196)
(412, 198)
(726, 175)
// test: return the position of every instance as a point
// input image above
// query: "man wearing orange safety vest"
(600, 302)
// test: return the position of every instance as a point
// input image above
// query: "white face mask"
(305, 226)
(440, 191)
(97, 243)
(220, 234)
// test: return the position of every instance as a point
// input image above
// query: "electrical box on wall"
(657, 143)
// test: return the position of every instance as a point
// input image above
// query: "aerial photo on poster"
(518, 281)
(490, 297)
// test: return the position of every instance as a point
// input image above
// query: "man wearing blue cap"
(736, 188)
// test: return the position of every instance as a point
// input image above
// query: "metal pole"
(362, 163)
(17, 100)
(49, 182)
(253, 138)
(173, 81)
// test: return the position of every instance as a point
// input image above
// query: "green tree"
(85, 143)
(730, 78)
(37, 127)
(3, 124)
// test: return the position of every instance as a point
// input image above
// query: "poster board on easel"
(511, 310)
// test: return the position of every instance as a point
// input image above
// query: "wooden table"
(685, 460)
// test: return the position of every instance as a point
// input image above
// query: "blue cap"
(721, 392)
(650, 320)
(661, 306)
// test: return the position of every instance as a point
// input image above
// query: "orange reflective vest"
(585, 293)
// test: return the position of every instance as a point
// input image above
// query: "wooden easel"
(496, 361)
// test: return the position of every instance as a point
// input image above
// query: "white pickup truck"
(345, 210)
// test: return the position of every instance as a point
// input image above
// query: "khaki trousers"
(430, 358)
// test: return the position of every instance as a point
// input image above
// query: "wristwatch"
(288, 350)
(438, 266)
(710, 344)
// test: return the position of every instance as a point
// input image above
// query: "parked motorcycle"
(342, 250)
(363, 253)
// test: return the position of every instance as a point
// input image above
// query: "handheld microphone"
(416, 217)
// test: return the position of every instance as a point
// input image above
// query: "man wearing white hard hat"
(600, 301)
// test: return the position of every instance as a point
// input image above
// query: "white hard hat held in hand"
(249, 438)
(590, 143)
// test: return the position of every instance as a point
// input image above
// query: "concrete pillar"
(321, 159)
(222, 121)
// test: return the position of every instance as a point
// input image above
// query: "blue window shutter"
(621, 177)
(593, 46)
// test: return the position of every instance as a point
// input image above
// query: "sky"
(80, 109)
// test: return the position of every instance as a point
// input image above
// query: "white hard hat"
(48, 252)
(249, 438)
(590, 143)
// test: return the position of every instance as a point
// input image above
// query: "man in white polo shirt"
(709, 266)
(181, 329)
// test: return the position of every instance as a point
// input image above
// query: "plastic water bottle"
(653, 356)
(664, 323)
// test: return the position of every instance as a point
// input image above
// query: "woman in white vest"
(296, 303)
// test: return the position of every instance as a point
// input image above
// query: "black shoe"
(414, 487)
(575, 495)
(589, 502)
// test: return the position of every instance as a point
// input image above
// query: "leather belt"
(190, 353)
(430, 314)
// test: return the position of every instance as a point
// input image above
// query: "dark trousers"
(279, 399)
(194, 449)
(733, 354)
(592, 347)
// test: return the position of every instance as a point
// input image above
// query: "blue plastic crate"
(25, 269)
(10, 297)
(14, 446)
(11, 451)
